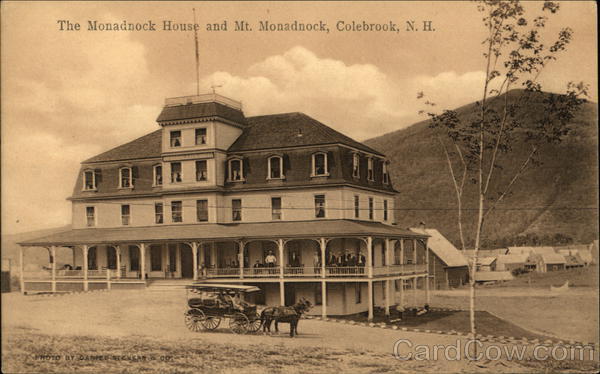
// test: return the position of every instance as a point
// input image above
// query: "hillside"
(545, 201)
(10, 248)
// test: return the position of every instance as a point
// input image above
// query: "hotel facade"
(279, 201)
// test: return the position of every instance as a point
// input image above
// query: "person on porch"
(270, 261)
(317, 262)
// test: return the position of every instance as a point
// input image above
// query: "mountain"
(558, 197)
(38, 256)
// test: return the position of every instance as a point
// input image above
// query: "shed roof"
(442, 248)
(485, 261)
(513, 259)
(209, 232)
(530, 250)
(553, 258)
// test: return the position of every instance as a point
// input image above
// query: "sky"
(69, 95)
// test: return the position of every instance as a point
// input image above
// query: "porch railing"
(315, 272)
(74, 274)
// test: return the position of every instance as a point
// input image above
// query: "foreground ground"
(133, 324)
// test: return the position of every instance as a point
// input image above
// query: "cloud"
(358, 99)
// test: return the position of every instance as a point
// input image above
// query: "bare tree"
(474, 145)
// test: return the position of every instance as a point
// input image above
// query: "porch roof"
(212, 232)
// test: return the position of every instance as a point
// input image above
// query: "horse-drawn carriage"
(209, 304)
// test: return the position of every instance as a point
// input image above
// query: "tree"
(474, 146)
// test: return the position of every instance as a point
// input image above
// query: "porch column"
(241, 248)
(281, 293)
(21, 270)
(387, 297)
(53, 254)
(414, 291)
(323, 243)
(401, 292)
(213, 254)
(143, 261)
(323, 299)
(370, 297)
(427, 276)
(118, 254)
(415, 252)
(370, 262)
(195, 259)
(280, 245)
(85, 267)
(201, 258)
(387, 252)
(402, 252)
(73, 255)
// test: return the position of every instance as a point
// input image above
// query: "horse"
(285, 314)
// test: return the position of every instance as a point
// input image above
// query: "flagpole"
(197, 54)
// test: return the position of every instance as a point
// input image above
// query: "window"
(236, 171)
(175, 172)
(158, 177)
(370, 208)
(275, 167)
(155, 258)
(385, 210)
(357, 293)
(158, 213)
(202, 210)
(236, 210)
(318, 294)
(125, 215)
(111, 258)
(370, 169)
(176, 211)
(125, 178)
(386, 176)
(320, 164)
(172, 258)
(175, 139)
(89, 180)
(276, 208)
(200, 136)
(320, 206)
(134, 258)
(356, 206)
(201, 174)
(92, 259)
(90, 216)
(356, 165)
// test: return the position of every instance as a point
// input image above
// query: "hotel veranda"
(279, 201)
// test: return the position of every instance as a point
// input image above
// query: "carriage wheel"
(238, 323)
(194, 319)
(254, 322)
(211, 323)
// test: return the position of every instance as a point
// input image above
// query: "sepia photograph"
(299, 187)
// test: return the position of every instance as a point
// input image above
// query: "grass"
(23, 350)
(580, 277)
(487, 324)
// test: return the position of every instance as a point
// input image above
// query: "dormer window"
(275, 167)
(319, 163)
(201, 136)
(236, 170)
(386, 176)
(370, 174)
(89, 180)
(158, 175)
(175, 139)
(125, 179)
(356, 165)
(176, 172)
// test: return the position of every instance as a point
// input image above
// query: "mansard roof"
(260, 132)
(208, 111)
(147, 146)
(290, 130)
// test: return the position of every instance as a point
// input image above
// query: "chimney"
(422, 225)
